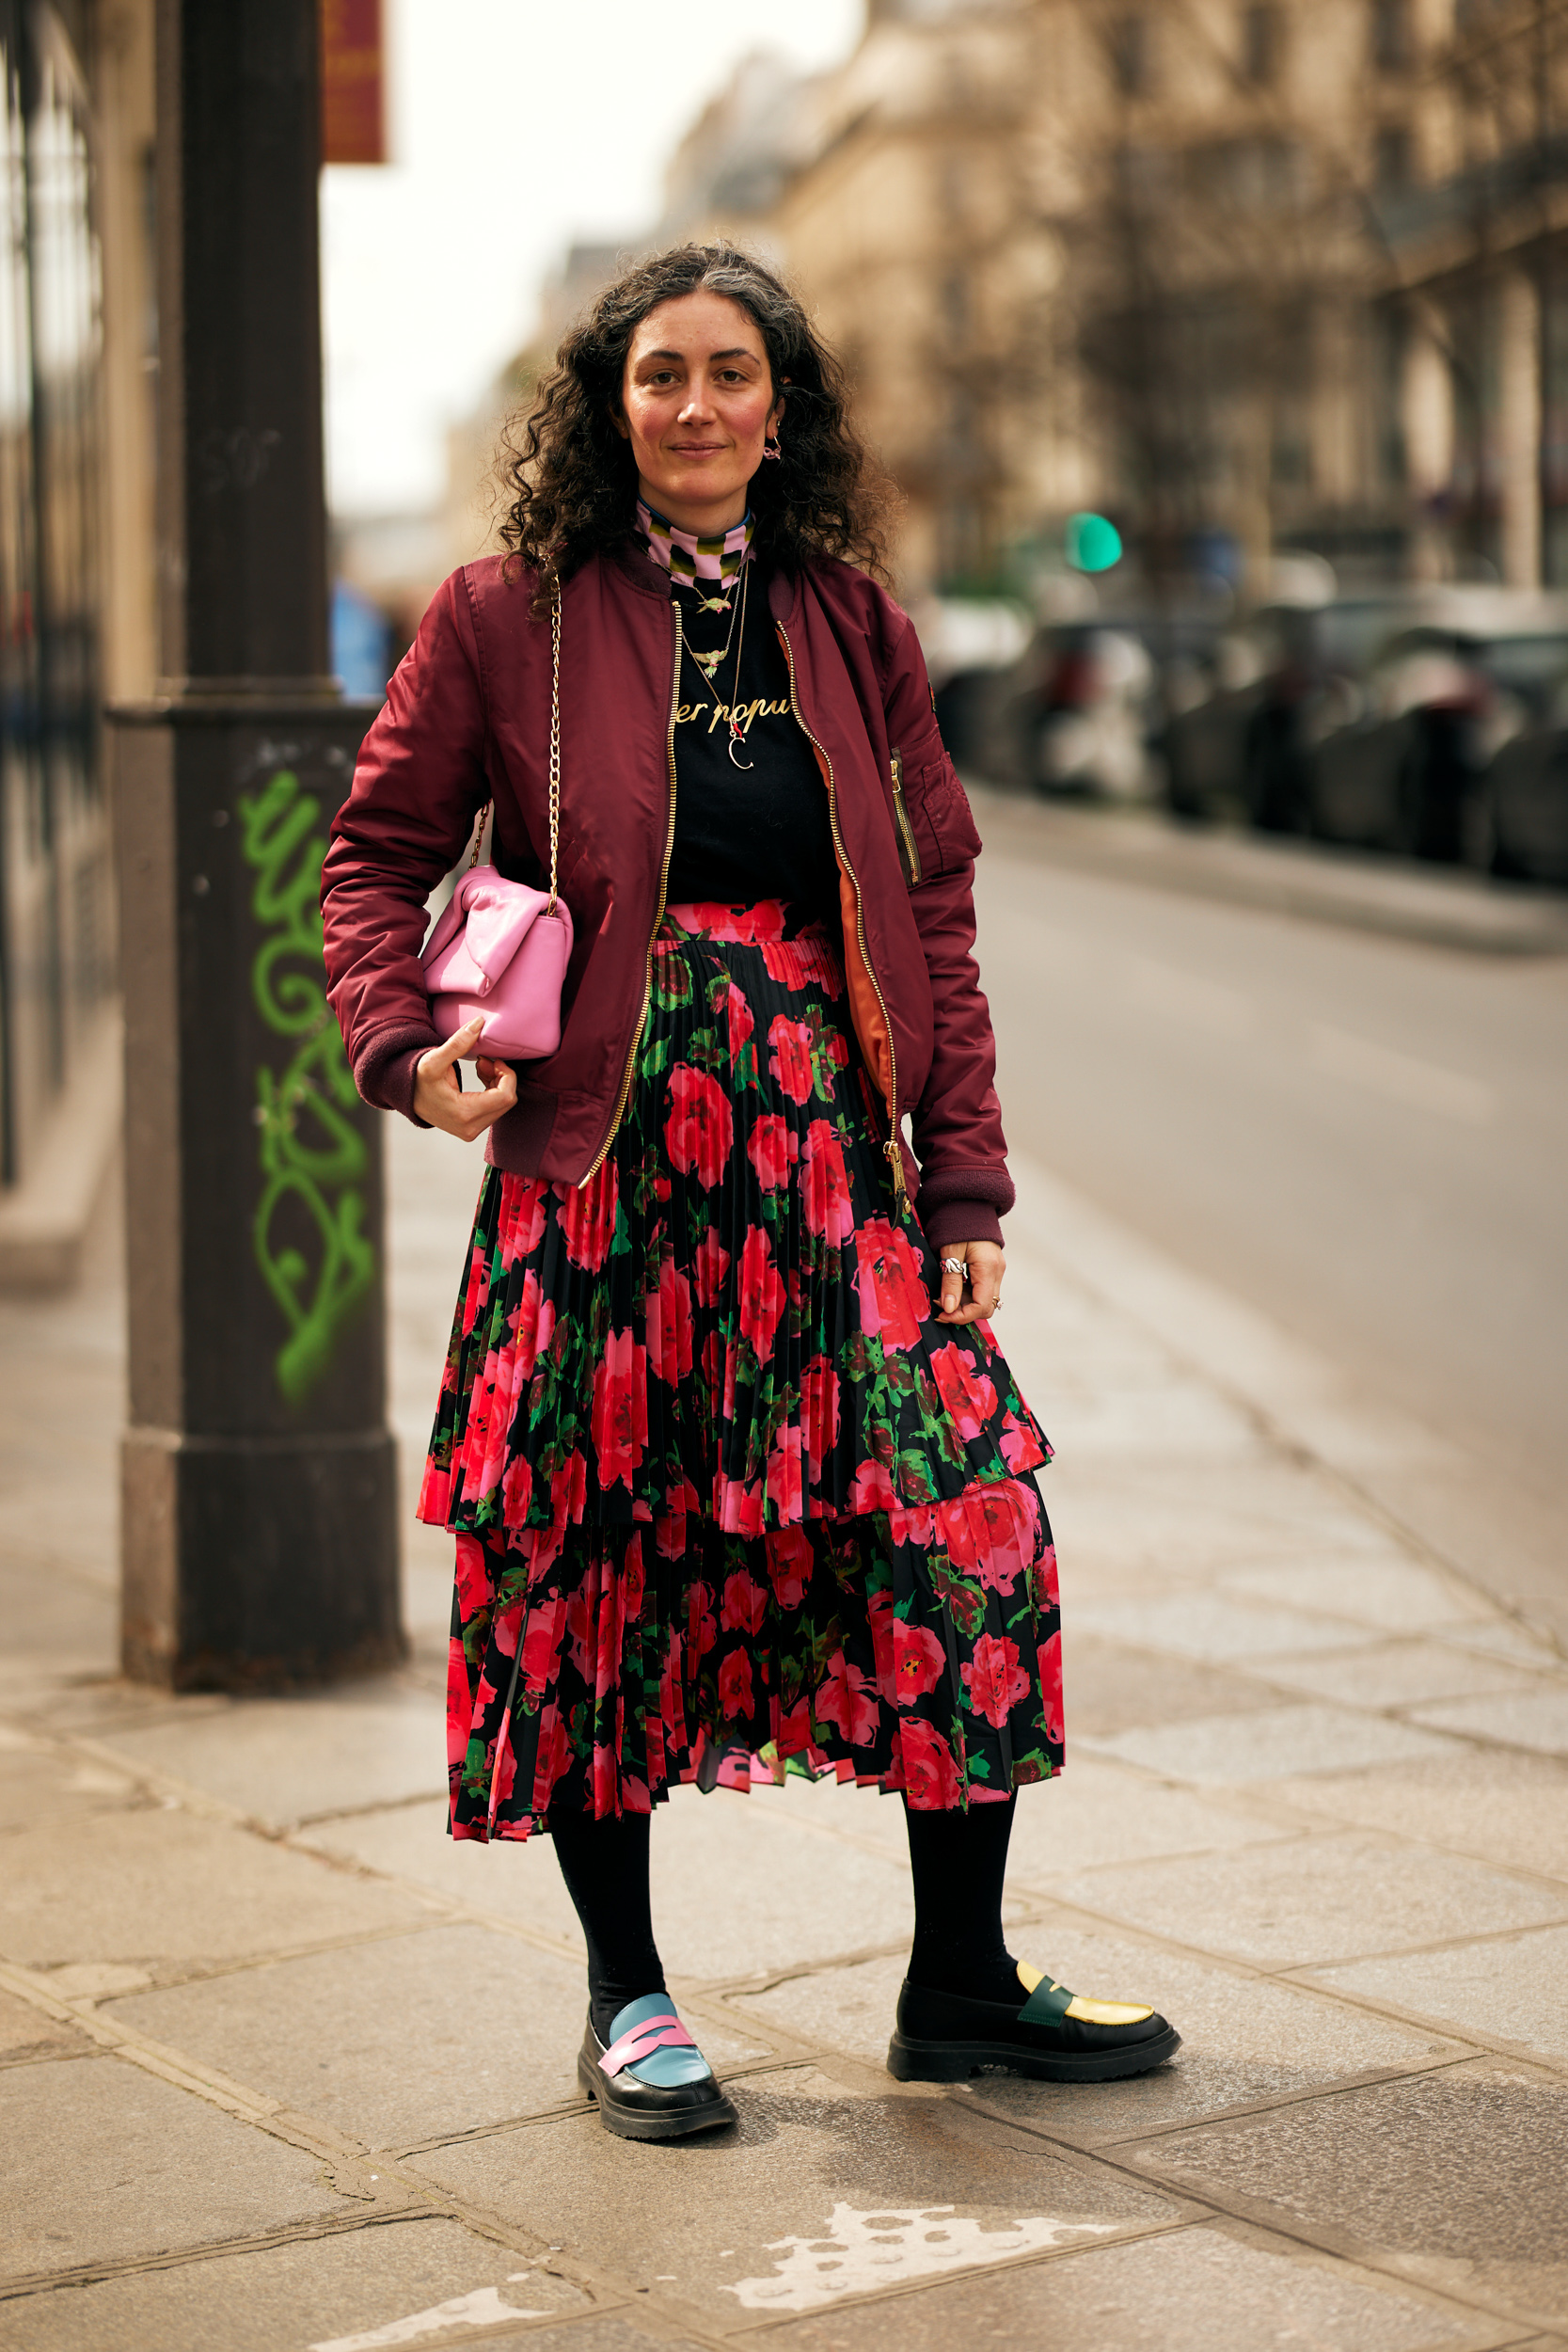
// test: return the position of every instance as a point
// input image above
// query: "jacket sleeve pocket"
(943, 821)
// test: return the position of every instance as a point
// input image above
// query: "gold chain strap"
(555, 730)
(555, 750)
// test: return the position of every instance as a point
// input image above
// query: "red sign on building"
(352, 85)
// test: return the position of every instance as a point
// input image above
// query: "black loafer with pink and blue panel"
(650, 2080)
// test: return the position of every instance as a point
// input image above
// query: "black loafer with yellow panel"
(1054, 2035)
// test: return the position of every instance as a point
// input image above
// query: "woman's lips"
(697, 449)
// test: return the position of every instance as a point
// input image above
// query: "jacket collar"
(629, 559)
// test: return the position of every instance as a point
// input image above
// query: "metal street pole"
(259, 1544)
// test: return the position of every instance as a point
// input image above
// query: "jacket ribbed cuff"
(961, 1220)
(386, 1070)
(964, 1203)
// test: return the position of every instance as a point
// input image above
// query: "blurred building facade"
(1245, 277)
(77, 587)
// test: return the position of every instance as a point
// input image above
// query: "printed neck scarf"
(689, 559)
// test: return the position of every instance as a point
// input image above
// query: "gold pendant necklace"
(709, 663)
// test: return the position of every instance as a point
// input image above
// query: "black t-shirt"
(743, 834)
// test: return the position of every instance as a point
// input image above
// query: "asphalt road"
(1364, 1137)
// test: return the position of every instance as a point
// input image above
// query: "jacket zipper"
(892, 1149)
(906, 831)
(619, 1112)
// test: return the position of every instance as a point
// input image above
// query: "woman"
(739, 1482)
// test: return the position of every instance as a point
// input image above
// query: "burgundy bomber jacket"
(466, 720)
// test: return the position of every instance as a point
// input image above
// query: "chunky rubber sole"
(955, 2062)
(649, 2123)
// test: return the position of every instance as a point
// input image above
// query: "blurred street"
(1314, 1805)
(1365, 1137)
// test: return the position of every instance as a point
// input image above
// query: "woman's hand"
(977, 1291)
(438, 1095)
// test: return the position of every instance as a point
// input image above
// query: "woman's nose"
(697, 405)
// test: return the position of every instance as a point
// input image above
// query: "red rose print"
(736, 1697)
(504, 1767)
(1051, 1689)
(517, 1489)
(583, 1629)
(982, 1532)
(477, 1287)
(668, 1317)
(544, 1334)
(523, 1227)
(913, 1523)
(789, 1056)
(554, 1755)
(737, 1505)
(871, 1489)
(845, 1697)
(825, 1199)
(701, 1628)
(919, 1660)
(711, 1262)
(605, 1782)
(968, 1395)
(460, 1704)
(789, 1561)
(588, 1217)
(761, 1293)
(930, 1775)
(772, 1146)
(785, 1482)
(541, 1645)
(714, 1364)
(1021, 1449)
(819, 1411)
(473, 1576)
(738, 1021)
(632, 1581)
(1044, 1579)
(794, 1732)
(525, 1342)
(671, 1709)
(744, 1608)
(699, 1128)
(879, 1609)
(994, 1679)
(620, 1422)
(893, 1301)
(748, 926)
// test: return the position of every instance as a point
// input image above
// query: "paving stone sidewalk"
(280, 2068)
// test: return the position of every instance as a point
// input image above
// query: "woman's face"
(697, 402)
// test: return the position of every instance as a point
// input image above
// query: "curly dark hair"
(569, 476)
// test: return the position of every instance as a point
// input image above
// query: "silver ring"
(953, 1266)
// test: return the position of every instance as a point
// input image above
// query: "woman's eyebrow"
(736, 350)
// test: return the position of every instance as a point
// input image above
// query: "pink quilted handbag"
(500, 949)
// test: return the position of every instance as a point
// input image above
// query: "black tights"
(956, 1860)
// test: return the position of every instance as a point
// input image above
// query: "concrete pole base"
(258, 1563)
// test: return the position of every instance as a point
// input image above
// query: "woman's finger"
(954, 1269)
(442, 1057)
(985, 1279)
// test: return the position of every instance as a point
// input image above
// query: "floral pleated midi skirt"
(729, 1502)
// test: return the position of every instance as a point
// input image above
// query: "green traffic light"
(1093, 544)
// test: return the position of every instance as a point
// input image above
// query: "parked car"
(969, 642)
(1233, 740)
(1393, 760)
(1081, 712)
(1514, 819)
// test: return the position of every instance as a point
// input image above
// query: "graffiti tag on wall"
(311, 1155)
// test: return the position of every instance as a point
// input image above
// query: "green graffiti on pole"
(311, 1152)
